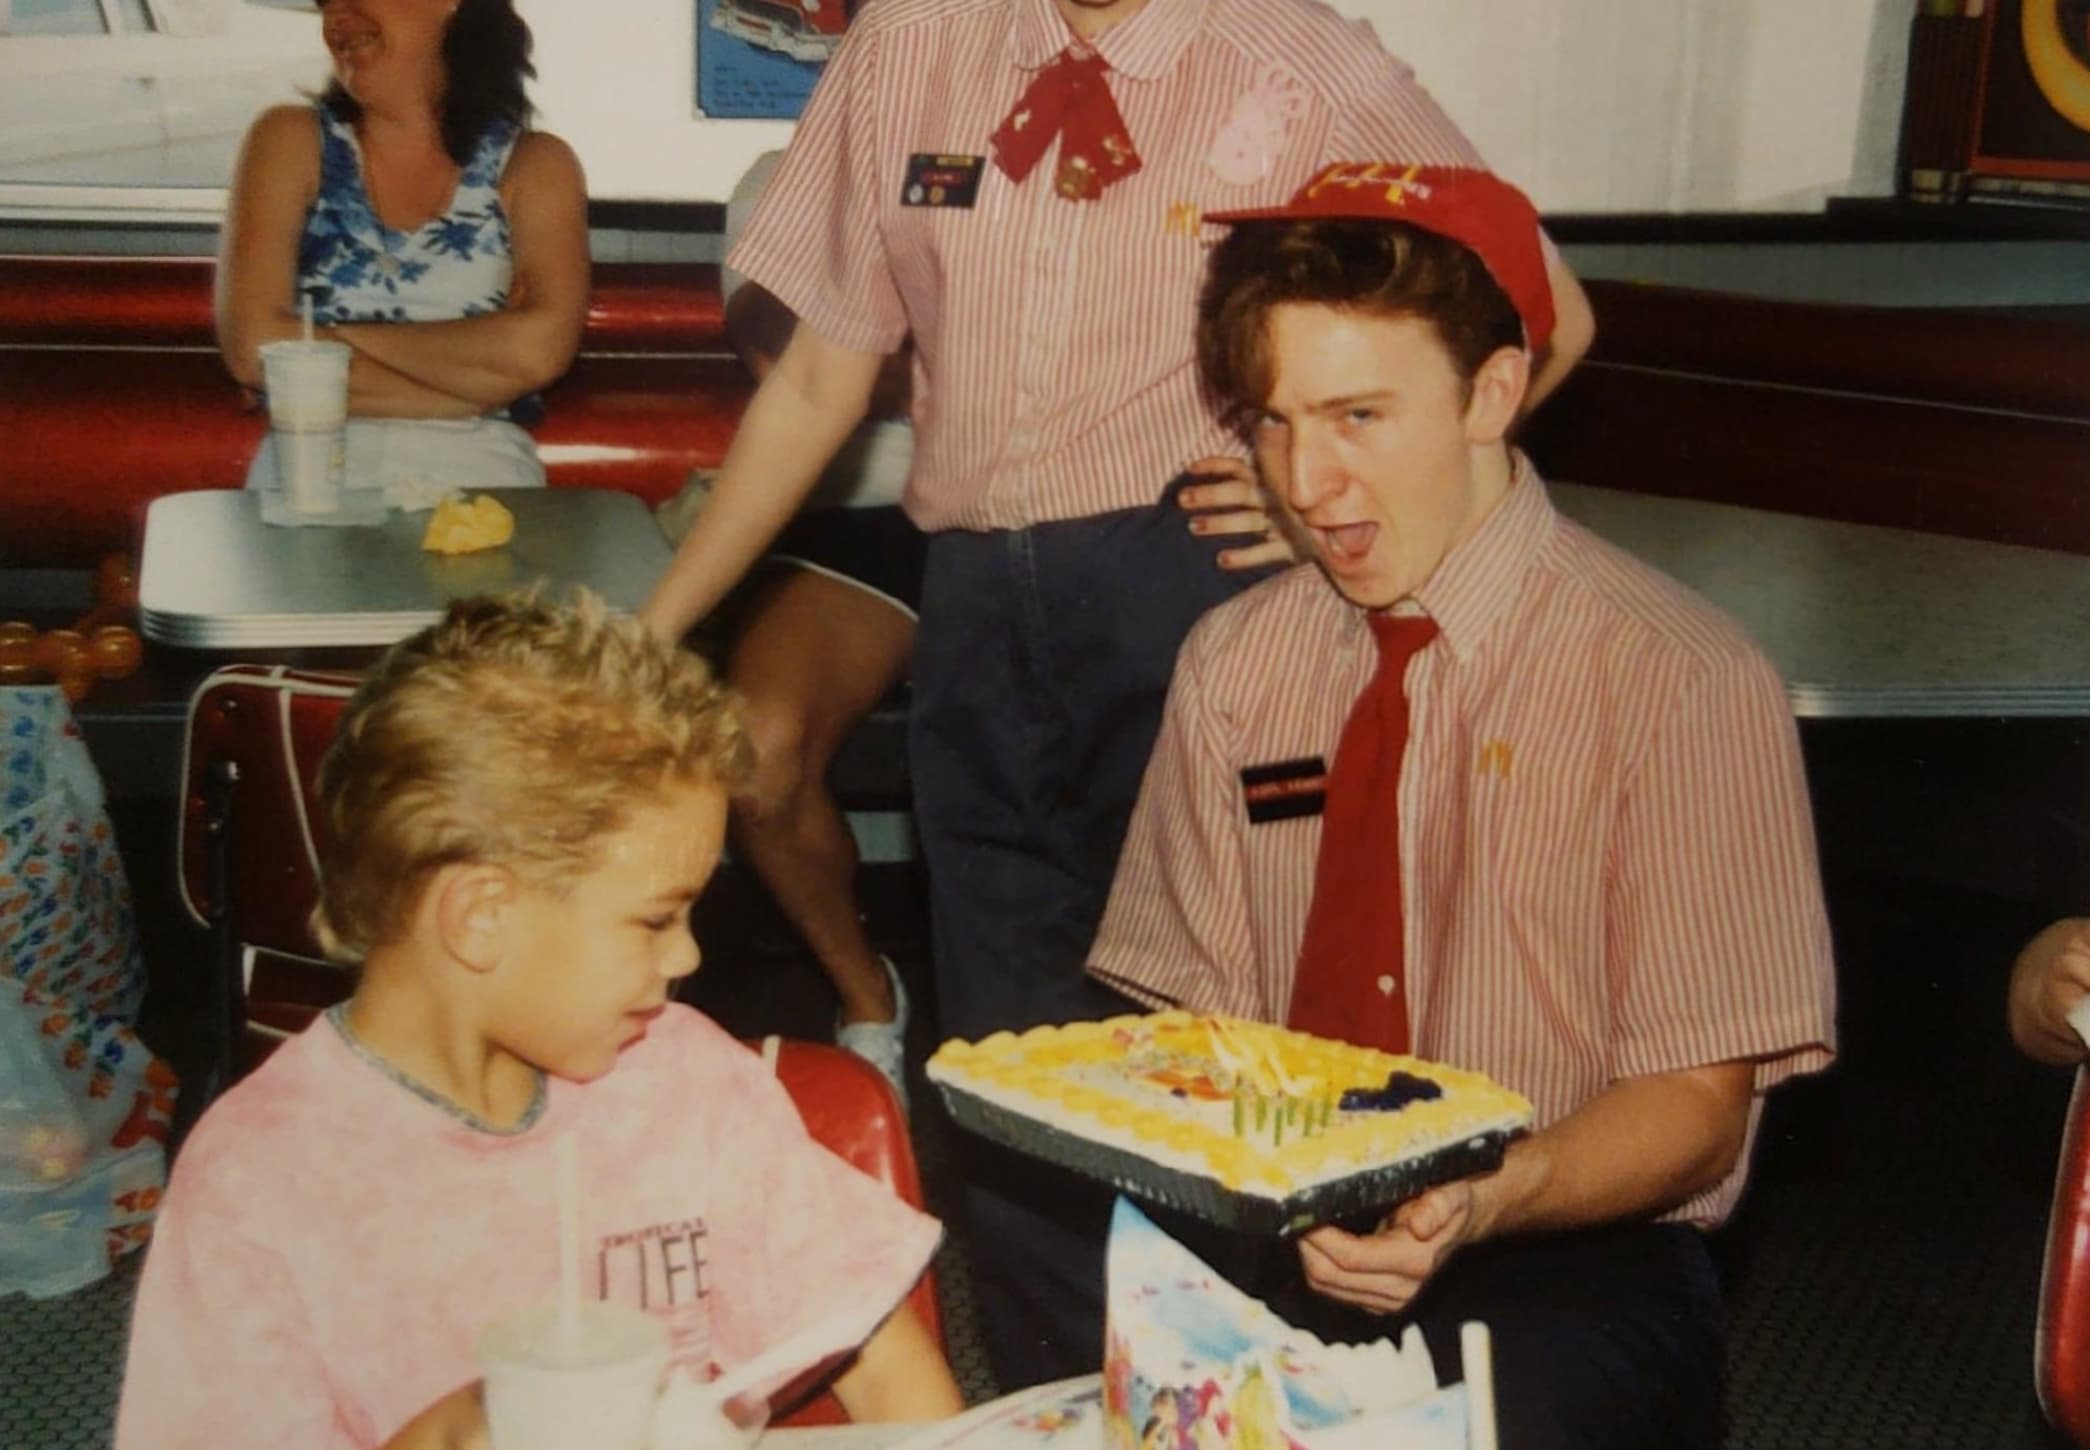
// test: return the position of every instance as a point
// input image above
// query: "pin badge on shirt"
(1285, 790)
(1253, 137)
(934, 180)
(1496, 757)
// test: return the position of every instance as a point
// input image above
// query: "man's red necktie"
(1069, 99)
(1352, 978)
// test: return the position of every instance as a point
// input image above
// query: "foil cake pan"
(1363, 1194)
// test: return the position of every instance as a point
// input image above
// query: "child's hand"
(899, 1375)
(457, 1421)
(690, 1417)
(1227, 499)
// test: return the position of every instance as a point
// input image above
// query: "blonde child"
(524, 801)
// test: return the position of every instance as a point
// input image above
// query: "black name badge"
(942, 180)
(1285, 791)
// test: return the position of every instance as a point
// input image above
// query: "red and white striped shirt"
(1608, 861)
(1055, 372)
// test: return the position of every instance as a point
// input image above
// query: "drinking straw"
(1477, 1351)
(848, 1325)
(569, 1239)
(305, 309)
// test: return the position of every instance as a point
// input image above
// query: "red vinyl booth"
(115, 395)
(2061, 1345)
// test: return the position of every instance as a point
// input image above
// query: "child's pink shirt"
(332, 1241)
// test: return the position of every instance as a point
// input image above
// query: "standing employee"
(1020, 184)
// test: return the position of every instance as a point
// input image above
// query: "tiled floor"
(1882, 1273)
(61, 1361)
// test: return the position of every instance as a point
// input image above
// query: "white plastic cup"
(598, 1390)
(307, 385)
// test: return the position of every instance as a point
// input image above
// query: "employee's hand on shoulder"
(1384, 1271)
(1227, 501)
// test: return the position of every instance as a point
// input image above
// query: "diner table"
(1867, 622)
(1063, 1415)
(840, 1437)
(1863, 622)
(215, 577)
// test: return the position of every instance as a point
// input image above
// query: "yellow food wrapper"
(459, 526)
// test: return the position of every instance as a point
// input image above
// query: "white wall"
(1665, 105)
(617, 78)
(1594, 105)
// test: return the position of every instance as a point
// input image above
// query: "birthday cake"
(1251, 1126)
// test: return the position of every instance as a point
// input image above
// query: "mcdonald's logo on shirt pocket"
(1185, 219)
(1496, 757)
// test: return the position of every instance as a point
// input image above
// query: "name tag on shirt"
(942, 180)
(1285, 791)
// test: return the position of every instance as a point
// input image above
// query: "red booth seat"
(114, 395)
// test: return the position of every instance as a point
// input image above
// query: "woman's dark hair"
(486, 59)
(1377, 268)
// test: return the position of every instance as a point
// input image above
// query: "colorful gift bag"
(84, 1105)
(1192, 1363)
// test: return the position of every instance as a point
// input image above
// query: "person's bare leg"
(814, 658)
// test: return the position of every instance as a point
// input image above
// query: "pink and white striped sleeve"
(1719, 938)
(815, 239)
(1177, 929)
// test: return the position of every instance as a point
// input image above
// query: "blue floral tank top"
(357, 269)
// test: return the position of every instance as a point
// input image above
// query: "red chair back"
(2061, 1344)
(249, 846)
(850, 1110)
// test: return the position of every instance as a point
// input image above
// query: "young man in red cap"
(1478, 786)
(1019, 185)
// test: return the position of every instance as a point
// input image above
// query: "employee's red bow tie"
(1070, 99)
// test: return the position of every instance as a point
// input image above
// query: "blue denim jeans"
(1040, 667)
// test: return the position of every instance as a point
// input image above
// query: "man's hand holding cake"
(1480, 787)
(1642, 1147)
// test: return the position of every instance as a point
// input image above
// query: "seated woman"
(433, 233)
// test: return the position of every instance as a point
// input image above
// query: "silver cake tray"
(1367, 1191)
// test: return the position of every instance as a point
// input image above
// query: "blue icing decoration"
(1401, 1089)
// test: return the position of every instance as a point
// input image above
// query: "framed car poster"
(759, 59)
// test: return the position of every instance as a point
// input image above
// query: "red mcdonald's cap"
(1473, 207)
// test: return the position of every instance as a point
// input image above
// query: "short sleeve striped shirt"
(1055, 370)
(1608, 854)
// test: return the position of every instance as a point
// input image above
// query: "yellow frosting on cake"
(1249, 1104)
